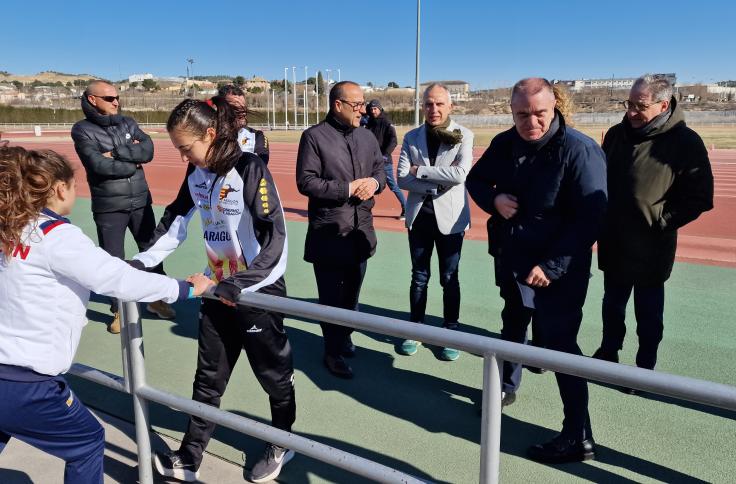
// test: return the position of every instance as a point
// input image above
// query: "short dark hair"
(338, 91)
(230, 90)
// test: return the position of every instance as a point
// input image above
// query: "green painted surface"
(419, 414)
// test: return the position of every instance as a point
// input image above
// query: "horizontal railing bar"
(98, 376)
(301, 445)
(681, 387)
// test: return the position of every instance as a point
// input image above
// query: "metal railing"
(493, 351)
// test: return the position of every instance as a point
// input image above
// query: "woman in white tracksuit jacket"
(47, 269)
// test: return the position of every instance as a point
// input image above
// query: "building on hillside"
(139, 77)
(256, 82)
(459, 90)
(612, 83)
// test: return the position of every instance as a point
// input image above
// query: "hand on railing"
(200, 282)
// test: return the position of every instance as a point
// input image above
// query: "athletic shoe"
(507, 398)
(560, 450)
(601, 354)
(174, 464)
(269, 465)
(403, 215)
(449, 354)
(409, 347)
(161, 309)
(114, 327)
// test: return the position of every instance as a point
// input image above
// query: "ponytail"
(196, 117)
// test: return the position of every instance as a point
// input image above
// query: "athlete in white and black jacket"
(245, 241)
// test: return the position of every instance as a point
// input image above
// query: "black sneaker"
(560, 450)
(269, 465)
(174, 464)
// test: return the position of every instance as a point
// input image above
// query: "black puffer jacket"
(117, 183)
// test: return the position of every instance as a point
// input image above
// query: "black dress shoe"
(601, 354)
(561, 449)
(338, 367)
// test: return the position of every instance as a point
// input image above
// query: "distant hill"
(45, 77)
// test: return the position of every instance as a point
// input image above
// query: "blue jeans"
(423, 237)
(649, 311)
(388, 167)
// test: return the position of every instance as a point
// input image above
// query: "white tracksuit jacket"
(45, 287)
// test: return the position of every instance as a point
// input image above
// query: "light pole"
(339, 79)
(416, 77)
(293, 77)
(191, 73)
(316, 91)
(306, 113)
(286, 98)
(273, 105)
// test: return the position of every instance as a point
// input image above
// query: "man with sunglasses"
(659, 179)
(340, 169)
(113, 149)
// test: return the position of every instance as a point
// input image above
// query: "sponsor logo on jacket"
(226, 190)
(20, 250)
(217, 236)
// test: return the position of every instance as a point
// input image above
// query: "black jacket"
(331, 156)
(657, 183)
(561, 191)
(385, 133)
(117, 183)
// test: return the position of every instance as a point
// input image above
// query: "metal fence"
(493, 351)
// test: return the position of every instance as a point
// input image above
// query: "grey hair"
(531, 86)
(657, 84)
(437, 85)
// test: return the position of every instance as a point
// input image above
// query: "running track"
(709, 240)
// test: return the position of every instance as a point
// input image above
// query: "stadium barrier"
(493, 351)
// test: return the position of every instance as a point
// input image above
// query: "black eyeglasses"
(355, 105)
(638, 107)
(107, 98)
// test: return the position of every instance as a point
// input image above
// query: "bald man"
(544, 185)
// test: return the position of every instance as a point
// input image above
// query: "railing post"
(133, 333)
(490, 432)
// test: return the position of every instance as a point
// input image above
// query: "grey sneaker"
(269, 465)
(173, 464)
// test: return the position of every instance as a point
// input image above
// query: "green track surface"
(419, 414)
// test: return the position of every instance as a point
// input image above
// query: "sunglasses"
(108, 98)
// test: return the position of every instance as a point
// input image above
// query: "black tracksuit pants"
(223, 333)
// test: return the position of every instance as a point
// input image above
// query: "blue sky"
(488, 43)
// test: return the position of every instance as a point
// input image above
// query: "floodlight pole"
(306, 113)
(293, 75)
(416, 78)
(339, 78)
(286, 98)
(316, 91)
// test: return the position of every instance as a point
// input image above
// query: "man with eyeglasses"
(340, 169)
(113, 149)
(659, 179)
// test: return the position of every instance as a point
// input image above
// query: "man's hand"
(107, 154)
(200, 282)
(537, 278)
(363, 188)
(413, 170)
(506, 205)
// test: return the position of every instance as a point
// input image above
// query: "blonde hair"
(27, 179)
(564, 104)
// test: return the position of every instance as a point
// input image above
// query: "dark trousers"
(111, 228)
(557, 316)
(223, 333)
(388, 167)
(48, 416)
(649, 311)
(338, 286)
(424, 236)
